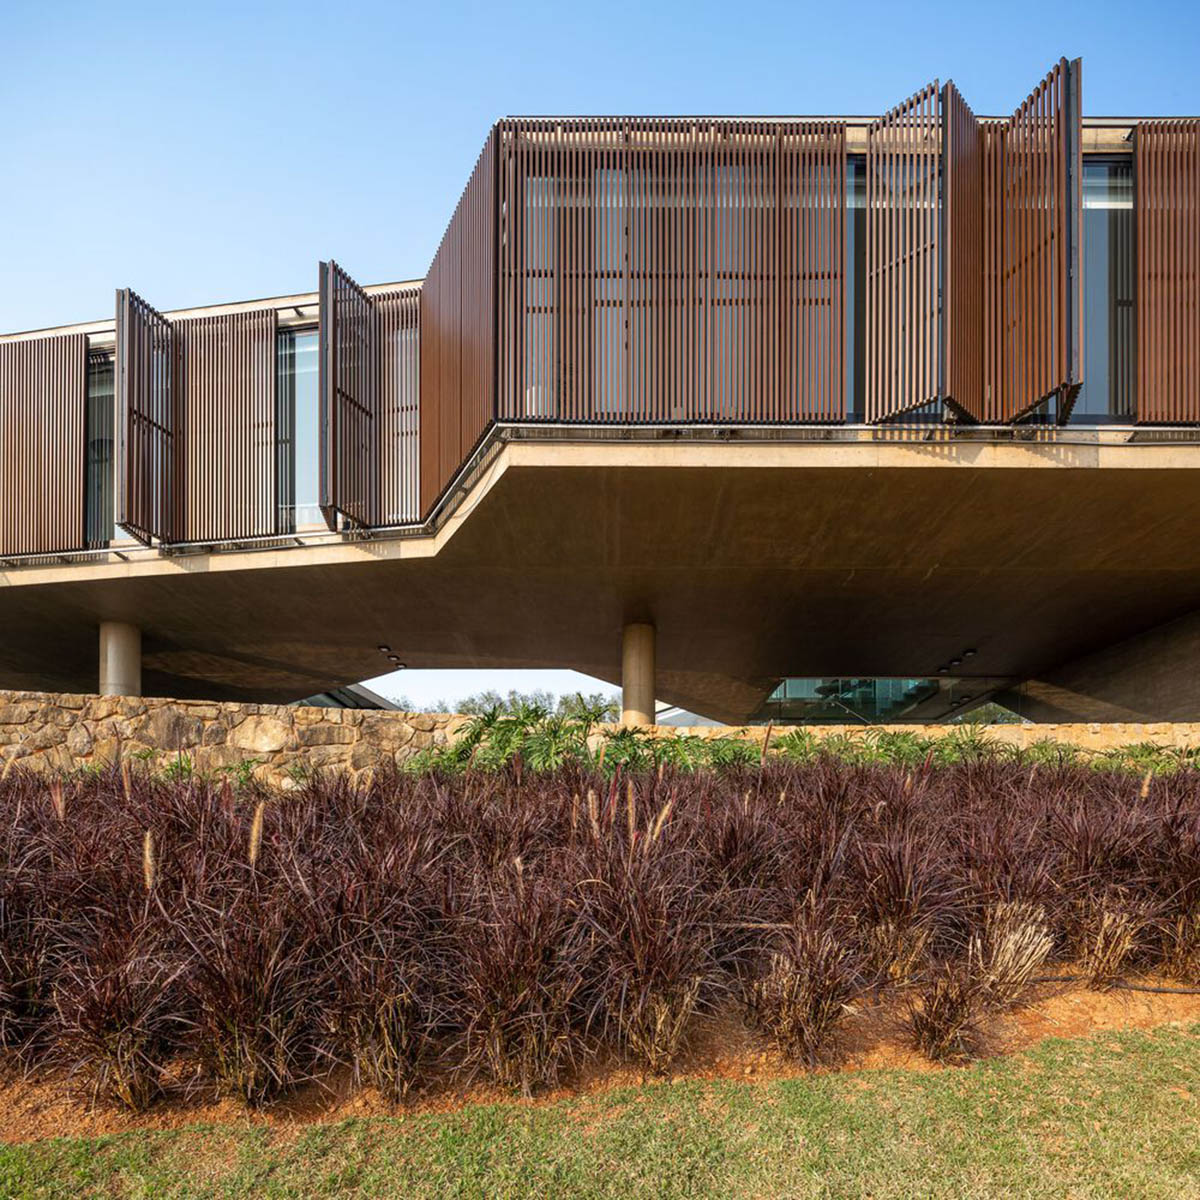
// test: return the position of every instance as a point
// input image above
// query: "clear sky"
(427, 689)
(207, 151)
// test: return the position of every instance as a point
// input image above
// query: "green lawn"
(1114, 1115)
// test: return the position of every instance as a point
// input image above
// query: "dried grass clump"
(944, 1016)
(1013, 948)
(1181, 947)
(805, 992)
(654, 1023)
(1110, 933)
(895, 952)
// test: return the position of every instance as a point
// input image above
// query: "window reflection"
(100, 529)
(856, 288)
(1108, 284)
(836, 701)
(610, 250)
(298, 431)
(540, 249)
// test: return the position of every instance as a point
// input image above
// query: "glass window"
(99, 415)
(298, 430)
(610, 249)
(856, 289)
(540, 266)
(1108, 312)
(845, 701)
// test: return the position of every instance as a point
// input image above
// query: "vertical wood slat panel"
(1040, 343)
(812, 217)
(148, 433)
(671, 270)
(964, 257)
(349, 391)
(458, 362)
(903, 257)
(399, 317)
(996, 321)
(43, 389)
(227, 382)
(196, 457)
(1167, 219)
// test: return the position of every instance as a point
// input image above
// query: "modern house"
(762, 417)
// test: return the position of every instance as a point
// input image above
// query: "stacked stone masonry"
(44, 730)
(52, 731)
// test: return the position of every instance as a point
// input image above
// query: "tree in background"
(988, 714)
(577, 706)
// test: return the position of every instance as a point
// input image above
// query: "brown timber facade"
(922, 271)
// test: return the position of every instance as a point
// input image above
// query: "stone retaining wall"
(55, 731)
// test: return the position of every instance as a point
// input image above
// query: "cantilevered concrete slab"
(752, 559)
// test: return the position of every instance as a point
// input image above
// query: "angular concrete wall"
(1154, 676)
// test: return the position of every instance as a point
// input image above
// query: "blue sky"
(209, 151)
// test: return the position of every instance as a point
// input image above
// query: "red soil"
(874, 1038)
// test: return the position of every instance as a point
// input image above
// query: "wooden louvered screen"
(1167, 211)
(147, 422)
(227, 461)
(1041, 336)
(903, 343)
(349, 388)
(399, 334)
(43, 388)
(458, 332)
(671, 270)
(963, 255)
(812, 265)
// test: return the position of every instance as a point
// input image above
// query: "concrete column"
(120, 659)
(637, 675)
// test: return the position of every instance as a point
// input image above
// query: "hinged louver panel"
(963, 256)
(43, 388)
(227, 461)
(1167, 189)
(349, 385)
(147, 422)
(1041, 340)
(196, 446)
(903, 343)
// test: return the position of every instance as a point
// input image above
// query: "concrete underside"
(753, 561)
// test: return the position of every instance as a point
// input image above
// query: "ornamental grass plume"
(256, 832)
(148, 863)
